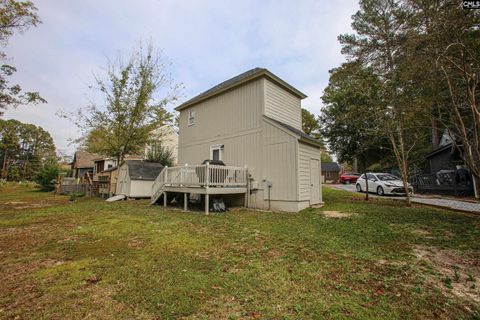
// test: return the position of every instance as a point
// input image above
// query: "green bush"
(47, 175)
(72, 196)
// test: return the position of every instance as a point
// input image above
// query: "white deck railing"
(199, 176)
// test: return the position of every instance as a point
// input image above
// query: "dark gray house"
(330, 172)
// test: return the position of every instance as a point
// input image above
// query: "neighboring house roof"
(83, 159)
(440, 149)
(239, 80)
(127, 157)
(139, 170)
(330, 166)
(302, 136)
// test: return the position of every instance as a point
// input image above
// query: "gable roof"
(139, 170)
(330, 166)
(449, 147)
(236, 81)
(302, 136)
(83, 159)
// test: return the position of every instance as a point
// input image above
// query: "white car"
(382, 183)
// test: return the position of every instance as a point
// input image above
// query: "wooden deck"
(200, 179)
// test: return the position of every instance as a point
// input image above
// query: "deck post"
(165, 175)
(207, 182)
(165, 199)
(207, 200)
(185, 202)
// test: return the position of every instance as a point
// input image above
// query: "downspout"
(269, 185)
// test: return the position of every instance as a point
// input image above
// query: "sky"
(206, 41)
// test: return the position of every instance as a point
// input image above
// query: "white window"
(191, 117)
(216, 152)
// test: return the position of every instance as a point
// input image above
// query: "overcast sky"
(207, 41)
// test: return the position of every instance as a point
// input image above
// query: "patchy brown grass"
(130, 260)
(337, 214)
(455, 274)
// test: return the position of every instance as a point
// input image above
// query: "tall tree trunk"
(435, 135)
(3, 174)
(476, 187)
(402, 160)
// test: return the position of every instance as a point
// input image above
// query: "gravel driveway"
(423, 199)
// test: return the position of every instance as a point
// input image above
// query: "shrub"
(47, 175)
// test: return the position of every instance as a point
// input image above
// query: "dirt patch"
(421, 232)
(136, 243)
(337, 214)
(21, 205)
(457, 274)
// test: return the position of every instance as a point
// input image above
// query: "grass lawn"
(124, 260)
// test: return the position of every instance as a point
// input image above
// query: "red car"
(349, 177)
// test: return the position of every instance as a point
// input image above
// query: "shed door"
(314, 181)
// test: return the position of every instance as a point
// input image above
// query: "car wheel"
(380, 191)
(347, 181)
(359, 187)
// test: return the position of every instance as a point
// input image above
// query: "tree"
(9, 144)
(159, 153)
(311, 126)
(380, 27)
(425, 58)
(346, 119)
(135, 95)
(47, 174)
(460, 64)
(15, 16)
(444, 53)
(24, 148)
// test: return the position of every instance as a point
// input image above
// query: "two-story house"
(254, 120)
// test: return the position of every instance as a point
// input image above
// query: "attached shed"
(135, 178)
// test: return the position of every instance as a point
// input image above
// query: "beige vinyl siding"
(281, 105)
(140, 189)
(240, 150)
(237, 151)
(279, 149)
(305, 153)
(230, 113)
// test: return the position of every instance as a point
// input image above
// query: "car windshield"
(386, 177)
(351, 174)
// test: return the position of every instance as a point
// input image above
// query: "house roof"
(299, 133)
(127, 157)
(239, 80)
(139, 170)
(83, 159)
(438, 150)
(330, 166)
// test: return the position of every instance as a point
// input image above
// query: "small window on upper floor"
(191, 117)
